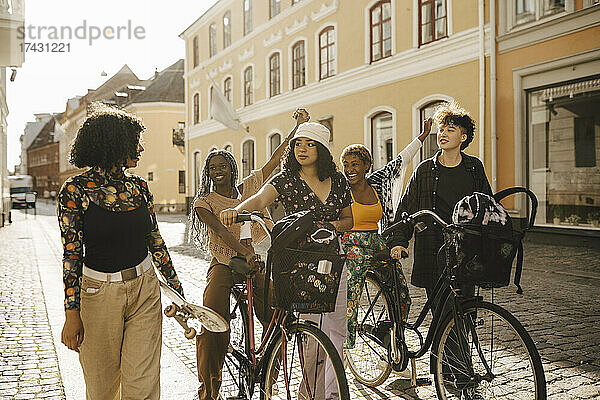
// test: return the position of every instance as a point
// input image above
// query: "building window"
(227, 89)
(195, 51)
(327, 53)
(212, 39)
(274, 8)
(247, 158)
(247, 17)
(381, 30)
(298, 65)
(227, 29)
(563, 147)
(295, 2)
(432, 21)
(327, 121)
(381, 139)
(181, 182)
(585, 141)
(430, 146)
(197, 171)
(274, 142)
(553, 6)
(524, 11)
(150, 176)
(248, 89)
(275, 74)
(196, 110)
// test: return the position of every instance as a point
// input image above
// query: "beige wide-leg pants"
(120, 353)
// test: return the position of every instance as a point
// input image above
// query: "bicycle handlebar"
(254, 216)
(409, 219)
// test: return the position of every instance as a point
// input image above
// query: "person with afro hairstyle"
(372, 209)
(437, 184)
(218, 191)
(110, 236)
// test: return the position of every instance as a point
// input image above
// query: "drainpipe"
(493, 138)
(481, 81)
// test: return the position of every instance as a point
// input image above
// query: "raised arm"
(395, 167)
(301, 116)
(265, 197)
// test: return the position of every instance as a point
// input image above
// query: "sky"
(47, 80)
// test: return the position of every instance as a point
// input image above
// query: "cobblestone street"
(560, 308)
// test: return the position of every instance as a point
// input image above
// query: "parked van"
(21, 191)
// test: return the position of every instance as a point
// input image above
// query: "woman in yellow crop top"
(372, 206)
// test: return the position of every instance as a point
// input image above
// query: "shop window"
(563, 146)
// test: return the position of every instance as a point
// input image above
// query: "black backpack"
(488, 244)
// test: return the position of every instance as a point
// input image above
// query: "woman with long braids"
(310, 181)
(219, 191)
(111, 239)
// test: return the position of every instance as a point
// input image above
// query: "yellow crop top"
(366, 216)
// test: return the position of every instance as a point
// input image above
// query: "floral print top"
(295, 195)
(113, 191)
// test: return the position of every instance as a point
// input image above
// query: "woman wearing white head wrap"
(310, 181)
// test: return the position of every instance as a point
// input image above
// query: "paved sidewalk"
(560, 308)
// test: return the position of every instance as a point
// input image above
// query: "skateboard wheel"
(170, 311)
(190, 333)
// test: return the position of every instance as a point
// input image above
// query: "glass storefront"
(564, 153)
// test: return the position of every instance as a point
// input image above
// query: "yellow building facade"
(162, 163)
(548, 102)
(371, 70)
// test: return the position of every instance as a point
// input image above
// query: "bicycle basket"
(485, 255)
(298, 284)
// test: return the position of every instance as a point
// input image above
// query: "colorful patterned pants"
(360, 248)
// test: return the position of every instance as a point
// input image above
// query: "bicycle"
(291, 353)
(478, 349)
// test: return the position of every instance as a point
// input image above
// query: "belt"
(124, 275)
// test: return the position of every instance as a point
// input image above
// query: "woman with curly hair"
(110, 237)
(310, 181)
(372, 194)
(219, 191)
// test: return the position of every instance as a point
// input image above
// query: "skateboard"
(182, 310)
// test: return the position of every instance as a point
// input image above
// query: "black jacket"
(420, 194)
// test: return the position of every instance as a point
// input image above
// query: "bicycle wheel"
(367, 360)
(234, 376)
(313, 369)
(505, 362)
